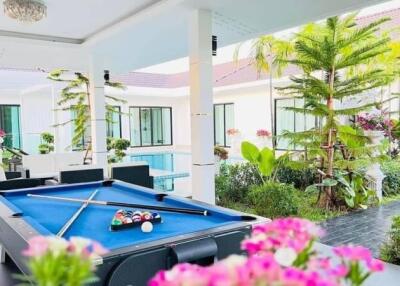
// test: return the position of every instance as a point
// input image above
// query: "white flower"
(234, 260)
(79, 244)
(285, 256)
(57, 245)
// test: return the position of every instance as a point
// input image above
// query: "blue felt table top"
(94, 221)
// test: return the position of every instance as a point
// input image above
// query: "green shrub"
(47, 144)
(274, 200)
(234, 182)
(300, 179)
(391, 183)
(390, 250)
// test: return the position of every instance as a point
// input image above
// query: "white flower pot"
(376, 136)
(264, 141)
(374, 170)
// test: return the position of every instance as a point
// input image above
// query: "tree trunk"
(330, 141)
(271, 105)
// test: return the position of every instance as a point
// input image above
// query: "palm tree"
(264, 53)
(334, 48)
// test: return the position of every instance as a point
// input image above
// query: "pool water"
(178, 164)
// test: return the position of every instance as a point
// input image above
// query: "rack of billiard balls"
(124, 219)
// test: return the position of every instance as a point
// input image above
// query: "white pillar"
(201, 106)
(98, 113)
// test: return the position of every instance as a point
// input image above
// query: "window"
(10, 123)
(150, 126)
(114, 122)
(287, 120)
(223, 121)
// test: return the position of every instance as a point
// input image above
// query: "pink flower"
(294, 233)
(375, 265)
(353, 253)
(232, 131)
(339, 271)
(38, 246)
(263, 133)
(98, 249)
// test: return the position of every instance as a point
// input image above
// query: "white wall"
(251, 109)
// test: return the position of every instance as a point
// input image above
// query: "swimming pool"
(172, 169)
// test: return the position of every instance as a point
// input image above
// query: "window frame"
(214, 121)
(151, 124)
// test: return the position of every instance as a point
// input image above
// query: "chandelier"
(25, 10)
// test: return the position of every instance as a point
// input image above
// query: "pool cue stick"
(69, 223)
(127, 205)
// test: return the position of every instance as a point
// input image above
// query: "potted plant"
(264, 137)
(47, 143)
(376, 126)
(220, 153)
(234, 135)
(118, 146)
(54, 261)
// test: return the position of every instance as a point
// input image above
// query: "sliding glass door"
(151, 126)
(223, 121)
(10, 123)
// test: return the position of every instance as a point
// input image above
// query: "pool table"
(134, 256)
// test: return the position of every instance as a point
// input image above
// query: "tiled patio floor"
(365, 227)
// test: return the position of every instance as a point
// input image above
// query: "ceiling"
(75, 20)
(128, 34)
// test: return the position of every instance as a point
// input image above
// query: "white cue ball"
(147, 226)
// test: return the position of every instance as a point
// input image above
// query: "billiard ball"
(127, 220)
(116, 222)
(147, 226)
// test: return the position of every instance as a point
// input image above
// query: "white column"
(98, 113)
(201, 106)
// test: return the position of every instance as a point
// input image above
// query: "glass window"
(10, 123)
(287, 120)
(151, 126)
(223, 121)
(114, 122)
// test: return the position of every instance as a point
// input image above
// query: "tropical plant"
(264, 53)
(47, 144)
(390, 250)
(325, 52)
(265, 160)
(274, 200)
(391, 182)
(75, 97)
